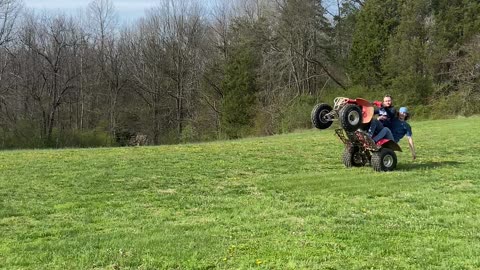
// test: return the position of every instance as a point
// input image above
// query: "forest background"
(189, 72)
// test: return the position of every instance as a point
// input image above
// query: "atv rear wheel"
(351, 117)
(318, 116)
(352, 157)
(384, 160)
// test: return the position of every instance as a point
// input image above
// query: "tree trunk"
(51, 122)
(156, 124)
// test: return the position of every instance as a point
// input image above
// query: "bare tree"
(183, 32)
(218, 49)
(145, 61)
(9, 11)
(50, 43)
(104, 22)
(465, 72)
(304, 30)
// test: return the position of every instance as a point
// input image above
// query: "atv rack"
(359, 137)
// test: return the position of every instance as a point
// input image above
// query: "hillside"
(283, 202)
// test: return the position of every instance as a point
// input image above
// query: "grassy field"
(281, 202)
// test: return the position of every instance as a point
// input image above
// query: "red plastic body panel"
(377, 103)
(367, 108)
(389, 144)
(352, 101)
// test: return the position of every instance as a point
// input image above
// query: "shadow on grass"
(427, 165)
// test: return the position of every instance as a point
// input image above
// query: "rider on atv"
(394, 125)
(400, 128)
(386, 112)
(355, 116)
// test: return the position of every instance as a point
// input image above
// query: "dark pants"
(377, 131)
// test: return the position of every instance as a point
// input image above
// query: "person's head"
(403, 114)
(387, 101)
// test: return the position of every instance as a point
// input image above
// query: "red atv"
(355, 116)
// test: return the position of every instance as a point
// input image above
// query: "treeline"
(187, 72)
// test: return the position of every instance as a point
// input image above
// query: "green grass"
(281, 202)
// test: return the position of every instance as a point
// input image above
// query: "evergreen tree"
(344, 28)
(405, 66)
(456, 21)
(375, 23)
(239, 88)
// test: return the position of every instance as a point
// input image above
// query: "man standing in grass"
(400, 128)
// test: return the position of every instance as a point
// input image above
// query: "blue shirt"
(400, 129)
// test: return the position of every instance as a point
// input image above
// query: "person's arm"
(412, 148)
(410, 141)
(391, 112)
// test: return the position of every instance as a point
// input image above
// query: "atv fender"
(367, 109)
(389, 144)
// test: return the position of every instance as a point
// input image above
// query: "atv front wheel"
(350, 117)
(318, 116)
(384, 160)
(352, 157)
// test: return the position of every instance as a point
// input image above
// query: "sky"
(128, 10)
